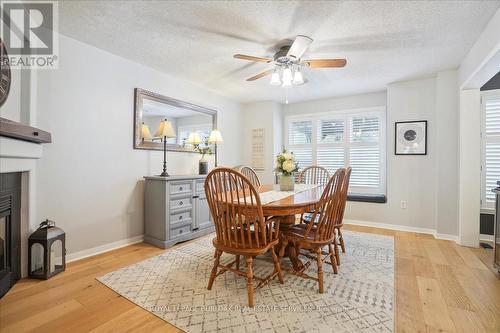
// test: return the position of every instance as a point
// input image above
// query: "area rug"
(173, 286)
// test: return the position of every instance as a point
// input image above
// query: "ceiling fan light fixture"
(275, 78)
(287, 75)
(298, 79)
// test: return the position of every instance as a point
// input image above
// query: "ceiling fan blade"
(252, 58)
(260, 75)
(299, 46)
(325, 63)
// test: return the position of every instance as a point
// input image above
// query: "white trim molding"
(469, 203)
(486, 238)
(405, 228)
(103, 248)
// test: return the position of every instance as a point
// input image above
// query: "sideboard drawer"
(184, 203)
(182, 187)
(182, 218)
(181, 231)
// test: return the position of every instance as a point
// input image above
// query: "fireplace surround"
(10, 230)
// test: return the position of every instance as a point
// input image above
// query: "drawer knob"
(180, 217)
(180, 188)
(180, 203)
(180, 231)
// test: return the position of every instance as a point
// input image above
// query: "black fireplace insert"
(10, 230)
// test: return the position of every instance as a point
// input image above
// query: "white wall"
(266, 115)
(90, 178)
(409, 178)
(337, 104)
(474, 70)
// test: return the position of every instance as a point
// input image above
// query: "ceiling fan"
(288, 62)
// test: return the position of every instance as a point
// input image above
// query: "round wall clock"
(5, 74)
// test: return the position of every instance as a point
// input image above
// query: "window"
(490, 146)
(337, 139)
(202, 129)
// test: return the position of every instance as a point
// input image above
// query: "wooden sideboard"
(175, 210)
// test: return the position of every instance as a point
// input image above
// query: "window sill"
(373, 198)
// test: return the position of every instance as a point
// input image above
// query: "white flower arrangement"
(286, 164)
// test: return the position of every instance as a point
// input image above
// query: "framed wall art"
(411, 137)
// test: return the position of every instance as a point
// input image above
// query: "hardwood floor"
(440, 287)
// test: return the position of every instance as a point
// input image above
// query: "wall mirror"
(182, 124)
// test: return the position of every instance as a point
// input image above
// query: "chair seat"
(308, 217)
(254, 250)
(298, 231)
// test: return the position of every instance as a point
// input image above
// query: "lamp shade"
(193, 138)
(215, 137)
(287, 75)
(298, 79)
(275, 78)
(145, 133)
(165, 130)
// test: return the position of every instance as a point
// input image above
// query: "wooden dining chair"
(319, 231)
(338, 238)
(314, 175)
(251, 175)
(340, 221)
(241, 229)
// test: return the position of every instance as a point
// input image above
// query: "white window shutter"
(492, 116)
(303, 156)
(330, 130)
(331, 158)
(364, 129)
(365, 164)
(491, 148)
(492, 159)
(300, 132)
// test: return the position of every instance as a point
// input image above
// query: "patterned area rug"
(173, 286)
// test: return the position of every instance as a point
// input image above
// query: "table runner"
(276, 194)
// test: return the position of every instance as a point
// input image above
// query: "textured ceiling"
(383, 42)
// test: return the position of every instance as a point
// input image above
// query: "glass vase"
(287, 183)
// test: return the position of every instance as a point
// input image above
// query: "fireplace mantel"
(16, 130)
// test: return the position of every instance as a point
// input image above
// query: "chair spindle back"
(343, 196)
(328, 209)
(224, 189)
(251, 175)
(314, 175)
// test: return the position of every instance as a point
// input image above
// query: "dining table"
(286, 205)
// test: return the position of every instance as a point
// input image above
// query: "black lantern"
(47, 251)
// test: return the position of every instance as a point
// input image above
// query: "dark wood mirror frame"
(139, 95)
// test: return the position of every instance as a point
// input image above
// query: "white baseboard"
(447, 237)
(405, 228)
(103, 248)
(486, 238)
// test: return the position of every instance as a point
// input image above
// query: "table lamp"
(215, 138)
(145, 133)
(166, 131)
